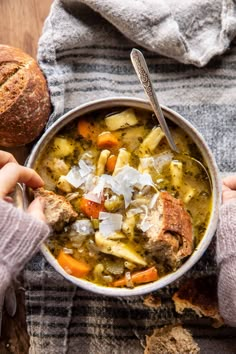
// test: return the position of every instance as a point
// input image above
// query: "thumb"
(225, 188)
(36, 209)
(228, 195)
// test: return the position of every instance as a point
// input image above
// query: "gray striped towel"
(84, 53)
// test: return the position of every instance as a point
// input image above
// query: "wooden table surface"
(20, 26)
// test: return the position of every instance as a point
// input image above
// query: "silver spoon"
(141, 69)
(140, 66)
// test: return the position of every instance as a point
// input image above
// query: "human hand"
(229, 188)
(11, 173)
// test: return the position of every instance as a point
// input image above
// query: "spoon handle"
(142, 71)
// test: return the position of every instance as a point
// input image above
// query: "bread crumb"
(199, 295)
(171, 340)
(153, 301)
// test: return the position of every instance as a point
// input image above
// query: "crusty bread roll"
(24, 98)
(171, 340)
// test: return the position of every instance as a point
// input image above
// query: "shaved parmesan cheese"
(162, 159)
(153, 200)
(145, 225)
(84, 227)
(78, 175)
(74, 177)
(96, 194)
(123, 183)
(110, 182)
(157, 162)
(85, 169)
(93, 197)
(128, 178)
(90, 183)
(110, 223)
(146, 162)
(131, 176)
(134, 211)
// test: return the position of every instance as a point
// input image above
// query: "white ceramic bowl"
(209, 160)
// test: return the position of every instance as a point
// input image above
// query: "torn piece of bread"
(199, 295)
(171, 233)
(58, 210)
(172, 339)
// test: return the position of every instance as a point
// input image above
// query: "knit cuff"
(226, 232)
(21, 235)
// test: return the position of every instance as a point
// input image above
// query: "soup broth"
(142, 208)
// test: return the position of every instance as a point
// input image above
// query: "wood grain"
(21, 23)
(20, 26)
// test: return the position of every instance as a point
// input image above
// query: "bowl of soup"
(143, 214)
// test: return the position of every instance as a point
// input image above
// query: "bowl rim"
(212, 167)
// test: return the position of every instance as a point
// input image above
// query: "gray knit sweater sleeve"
(20, 237)
(226, 259)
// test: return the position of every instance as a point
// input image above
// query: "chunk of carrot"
(107, 140)
(111, 162)
(72, 266)
(144, 276)
(84, 128)
(90, 208)
(87, 130)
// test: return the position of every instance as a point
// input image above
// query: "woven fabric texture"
(84, 53)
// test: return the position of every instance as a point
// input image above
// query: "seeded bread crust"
(58, 210)
(25, 103)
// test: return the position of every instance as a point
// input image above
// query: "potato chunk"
(151, 142)
(62, 147)
(121, 120)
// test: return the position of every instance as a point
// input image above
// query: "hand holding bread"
(11, 173)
